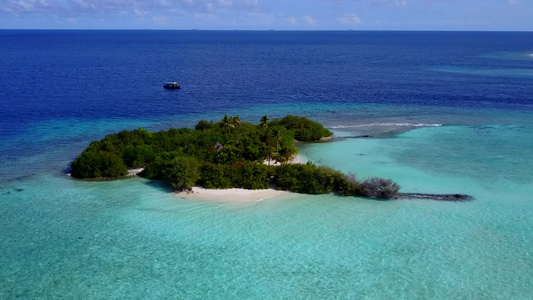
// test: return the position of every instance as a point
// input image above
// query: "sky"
(484, 15)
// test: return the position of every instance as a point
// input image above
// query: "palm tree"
(236, 120)
(264, 126)
(226, 122)
(279, 139)
(264, 122)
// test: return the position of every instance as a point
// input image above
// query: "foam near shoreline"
(388, 125)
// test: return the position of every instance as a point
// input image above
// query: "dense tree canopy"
(305, 130)
(225, 154)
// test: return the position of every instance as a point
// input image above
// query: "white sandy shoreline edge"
(238, 195)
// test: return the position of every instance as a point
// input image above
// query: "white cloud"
(78, 7)
(310, 21)
(25, 5)
(292, 20)
(401, 3)
(140, 12)
(349, 19)
(82, 3)
(159, 19)
(206, 18)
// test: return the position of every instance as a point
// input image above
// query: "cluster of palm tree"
(282, 155)
(230, 122)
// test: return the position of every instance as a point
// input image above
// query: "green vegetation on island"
(225, 154)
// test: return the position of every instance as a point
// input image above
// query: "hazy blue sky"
(269, 14)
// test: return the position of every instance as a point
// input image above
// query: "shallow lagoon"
(61, 238)
(134, 238)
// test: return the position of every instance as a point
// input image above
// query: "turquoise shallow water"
(488, 155)
(449, 112)
(49, 146)
(133, 238)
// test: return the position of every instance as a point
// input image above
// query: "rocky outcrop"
(325, 139)
(438, 197)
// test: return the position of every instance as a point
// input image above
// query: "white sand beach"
(240, 195)
(297, 159)
(134, 172)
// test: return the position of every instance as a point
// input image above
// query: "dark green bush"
(308, 179)
(138, 156)
(304, 129)
(311, 179)
(182, 172)
(249, 175)
(214, 176)
(347, 185)
(246, 175)
(138, 148)
(185, 157)
(96, 164)
(154, 170)
(205, 125)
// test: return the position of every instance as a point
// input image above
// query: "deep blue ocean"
(449, 112)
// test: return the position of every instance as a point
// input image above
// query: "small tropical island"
(228, 154)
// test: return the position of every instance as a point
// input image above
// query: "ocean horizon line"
(269, 30)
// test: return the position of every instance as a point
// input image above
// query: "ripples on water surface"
(440, 125)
